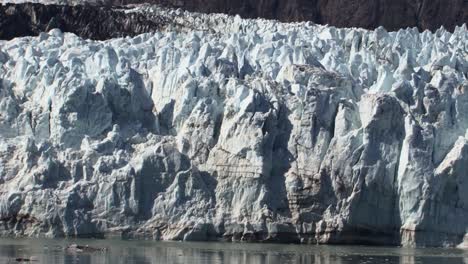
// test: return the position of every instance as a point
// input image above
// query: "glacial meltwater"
(114, 251)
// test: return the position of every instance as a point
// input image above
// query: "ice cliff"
(246, 130)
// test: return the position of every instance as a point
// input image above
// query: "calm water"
(120, 251)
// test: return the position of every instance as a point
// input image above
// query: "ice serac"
(247, 130)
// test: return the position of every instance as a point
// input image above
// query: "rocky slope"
(245, 130)
(91, 22)
(392, 14)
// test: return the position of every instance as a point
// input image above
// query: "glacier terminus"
(222, 128)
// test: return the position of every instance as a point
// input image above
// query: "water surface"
(128, 251)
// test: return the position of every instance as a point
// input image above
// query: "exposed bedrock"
(391, 14)
(104, 20)
(90, 22)
(243, 130)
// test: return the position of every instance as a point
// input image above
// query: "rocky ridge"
(90, 22)
(370, 14)
(242, 130)
(391, 14)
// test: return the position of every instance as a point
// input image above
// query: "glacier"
(222, 128)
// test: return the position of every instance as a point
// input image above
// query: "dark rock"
(391, 14)
(87, 21)
(104, 20)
